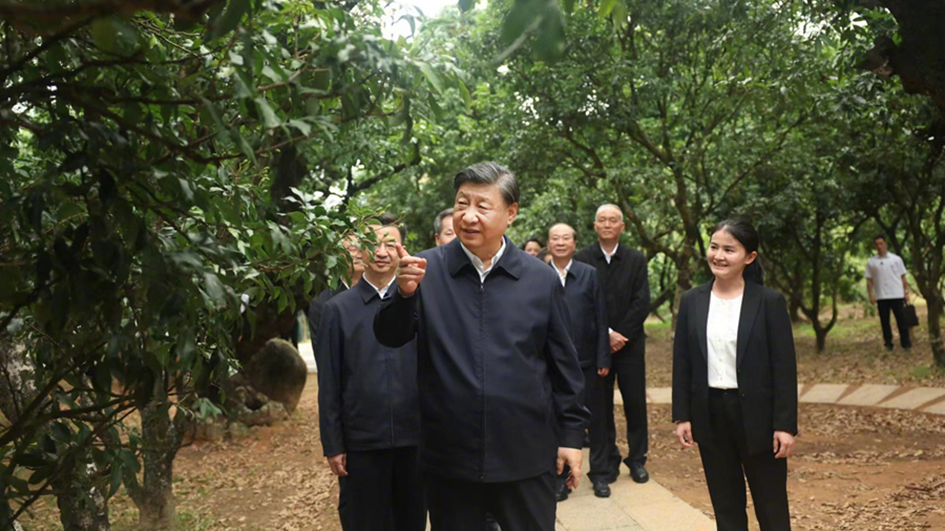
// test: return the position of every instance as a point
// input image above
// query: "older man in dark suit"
(622, 272)
(500, 382)
(589, 334)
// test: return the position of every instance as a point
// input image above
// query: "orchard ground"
(855, 468)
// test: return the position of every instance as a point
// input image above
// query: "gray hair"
(607, 206)
(438, 222)
(490, 173)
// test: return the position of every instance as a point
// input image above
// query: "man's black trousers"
(599, 466)
(884, 306)
(628, 368)
(724, 456)
(524, 505)
(383, 491)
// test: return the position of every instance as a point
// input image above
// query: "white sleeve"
(867, 274)
(902, 267)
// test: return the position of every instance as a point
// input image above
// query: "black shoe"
(563, 491)
(638, 473)
(601, 489)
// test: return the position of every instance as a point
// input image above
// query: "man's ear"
(513, 211)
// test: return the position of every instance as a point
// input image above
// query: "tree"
(155, 172)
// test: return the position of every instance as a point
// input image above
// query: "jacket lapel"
(746, 319)
(701, 309)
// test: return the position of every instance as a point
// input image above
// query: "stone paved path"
(650, 507)
(630, 507)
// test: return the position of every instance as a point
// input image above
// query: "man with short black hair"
(500, 382)
(443, 231)
(888, 288)
(368, 401)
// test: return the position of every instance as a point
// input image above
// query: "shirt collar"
(477, 263)
(457, 257)
(370, 290)
(562, 275)
(607, 256)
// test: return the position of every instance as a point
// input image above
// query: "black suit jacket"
(500, 382)
(626, 291)
(588, 315)
(765, 365)
(367, 392)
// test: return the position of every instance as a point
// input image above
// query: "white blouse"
(722, 341)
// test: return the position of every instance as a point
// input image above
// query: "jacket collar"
(510, 261)
(367, 291)
(746, 319)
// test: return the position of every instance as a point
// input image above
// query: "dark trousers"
(524, 505)
(724, 457)
(383, 491)
(600, 468)
(895, 305)
(628, 368)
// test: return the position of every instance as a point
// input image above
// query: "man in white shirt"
(887, 287)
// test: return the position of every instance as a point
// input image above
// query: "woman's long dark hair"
(745, 233)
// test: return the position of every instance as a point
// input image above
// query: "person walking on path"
(588, 330)
(888, 288)
(368, 403)
(500, 382)
(622, 272)
(735, 382)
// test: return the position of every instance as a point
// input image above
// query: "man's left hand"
(571, 457)
(603, 372)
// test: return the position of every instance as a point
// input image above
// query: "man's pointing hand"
(410, 271)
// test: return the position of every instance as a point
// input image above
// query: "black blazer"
(765, 365)
(500, 384)
(367, 392)
(588, 315)
(626, 291)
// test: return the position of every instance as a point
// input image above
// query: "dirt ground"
(855, 468)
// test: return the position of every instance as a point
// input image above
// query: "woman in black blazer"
(735, 382)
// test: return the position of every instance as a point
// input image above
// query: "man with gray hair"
(443, 231)
(622, 272)
(500, 382)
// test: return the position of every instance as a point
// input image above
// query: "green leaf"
(521, 17)
(620, 14)
(568, 6)
(114, 35)
(269, 117)
(466, 5)
(464, 93)
(432, 76)
(230, 18)
(606, 6)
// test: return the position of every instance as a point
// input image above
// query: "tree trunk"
(936, 307)
(794, 309)
(821, 335)
(155, 499)
(162, 438)
(83, 506)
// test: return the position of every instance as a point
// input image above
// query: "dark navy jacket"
(367, 393)
(500, 382)
(626, 291)
(588, 315)
(314, 315)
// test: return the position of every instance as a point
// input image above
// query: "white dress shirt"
(380, 291)
(477, 263)
(563, 273)
(722, 341)
(608, 256)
